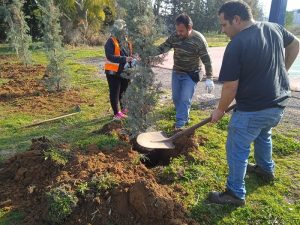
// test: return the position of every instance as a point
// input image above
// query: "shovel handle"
(196, 126)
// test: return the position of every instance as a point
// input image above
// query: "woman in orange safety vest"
(118, 52)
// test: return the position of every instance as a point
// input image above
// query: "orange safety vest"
(110, 66)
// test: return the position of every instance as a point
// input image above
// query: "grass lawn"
(216, 39)
(15, 138)
(213, 39)
(275, 203)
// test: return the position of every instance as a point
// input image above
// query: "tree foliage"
(18, 32)
(256, 8)
(33, 18)
(289, 19)
(142, 94)
(83, 17)
(203, 13)
(56, 78)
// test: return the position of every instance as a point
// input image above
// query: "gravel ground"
(291, 120)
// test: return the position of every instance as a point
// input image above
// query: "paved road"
(217, 53)
(205, 100)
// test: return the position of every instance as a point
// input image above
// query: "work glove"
(210, 86)
(130, 64)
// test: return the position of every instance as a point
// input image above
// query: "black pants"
(117, 87)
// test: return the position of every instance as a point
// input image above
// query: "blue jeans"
(245, 128)
(183, 88)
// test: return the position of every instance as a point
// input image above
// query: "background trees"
(82, 19)
(85, 21)
(204, 13)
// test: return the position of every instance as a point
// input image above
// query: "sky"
(291, 5)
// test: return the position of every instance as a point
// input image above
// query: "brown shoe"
(264, 175)
(225, 198)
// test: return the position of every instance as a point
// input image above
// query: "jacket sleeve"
(162, 48)
(109, 52)
(165, 47)
(205, 58)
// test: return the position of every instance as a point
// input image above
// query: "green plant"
(56, 155)
(283, 145)
(104, 142)
(12, 217)
(140, 158)
(61, 202)
(17, 35)
(103, 182)
(142, 94)
(56, 78)
(223, 123)
(82, 188)
(175, 171)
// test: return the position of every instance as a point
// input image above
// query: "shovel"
(159, 140)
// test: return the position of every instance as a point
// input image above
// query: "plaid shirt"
(188, 52)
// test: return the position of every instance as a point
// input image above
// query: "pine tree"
(56, 78)
(18, 34)
(142, 94)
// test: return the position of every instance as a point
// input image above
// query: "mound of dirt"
(137, 199)
(25, 88)
(114, 128)
(156, 157)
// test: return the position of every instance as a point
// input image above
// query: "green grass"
(61, 204)
(5, 49)
(104, 142)
(57, 156)
(10, 217)
(283, 145)
(3, 81)
(213, 39)
(103, 182)
(15, 138)
(275, 203)
(216, 39)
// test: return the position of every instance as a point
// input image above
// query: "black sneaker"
(225, 198)
(264, 175)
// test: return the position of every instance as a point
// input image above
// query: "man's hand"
(217, 115)
(210, 86)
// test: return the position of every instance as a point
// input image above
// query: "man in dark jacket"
(254, 72)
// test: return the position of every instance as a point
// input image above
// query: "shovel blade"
(155, 140)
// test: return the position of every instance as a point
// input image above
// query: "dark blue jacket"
(109, 52)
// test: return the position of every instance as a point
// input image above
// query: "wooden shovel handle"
(50, 120)
(191, 129)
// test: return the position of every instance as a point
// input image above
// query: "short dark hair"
(184, 19)
(236, 8)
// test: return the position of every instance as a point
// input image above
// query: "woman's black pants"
(117, 87)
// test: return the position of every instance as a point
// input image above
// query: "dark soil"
(137, 199)
(25, 90)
